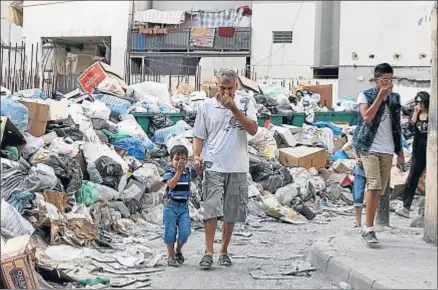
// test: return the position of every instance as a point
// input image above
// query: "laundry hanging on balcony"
(160, 17)
(230, 17)
(227, 31)
(202, 37)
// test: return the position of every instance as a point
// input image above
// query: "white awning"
(161, 17)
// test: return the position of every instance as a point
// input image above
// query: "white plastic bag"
(12, 223)
(151, 92)
(264, 143)
(131, 128)
(92, 152)
(147, 174)
(98, 110)
(59, 146)
(179, 139)
(285, 195)
(32, 144)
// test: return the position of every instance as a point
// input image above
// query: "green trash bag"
(115, 136)
(93, 281)
(88, 194)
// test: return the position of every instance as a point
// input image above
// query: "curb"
(323, 257)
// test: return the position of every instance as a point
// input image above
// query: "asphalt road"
(272, 249)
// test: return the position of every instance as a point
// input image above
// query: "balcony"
(178, 42)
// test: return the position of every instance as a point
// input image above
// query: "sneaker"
(404, 212)
(370, 237)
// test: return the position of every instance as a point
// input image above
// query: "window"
(282, 36)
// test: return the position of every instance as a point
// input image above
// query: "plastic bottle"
(116, 105)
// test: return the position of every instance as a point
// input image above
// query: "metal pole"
(382, 217)
(430, 218)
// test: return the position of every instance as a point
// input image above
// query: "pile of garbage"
(78, 174)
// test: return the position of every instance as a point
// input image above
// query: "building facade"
(335, 40)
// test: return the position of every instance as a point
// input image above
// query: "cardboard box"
(38, 117)
(17, 267)
(286, 135)
(341, 167)
(211, 91)
(185, 89)
(248, 84)
(303, 156)
(339, 142)
(326, 93)
(99, 72)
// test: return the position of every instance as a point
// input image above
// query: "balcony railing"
(178, 40)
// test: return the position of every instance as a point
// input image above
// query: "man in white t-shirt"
(376, 139)
(223, 123)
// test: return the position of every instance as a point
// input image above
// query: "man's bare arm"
(249, 125)
(197, 147)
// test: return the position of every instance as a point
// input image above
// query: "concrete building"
(330, 40)
(398, 33)
(80, 27)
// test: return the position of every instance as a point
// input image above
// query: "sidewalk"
(403, 260)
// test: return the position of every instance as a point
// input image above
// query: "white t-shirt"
(383, 141)
(227, 141)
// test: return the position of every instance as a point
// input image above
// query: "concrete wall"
(283, 60)
(79, 19)
(352, 80)
(401, 27)
(327, 31)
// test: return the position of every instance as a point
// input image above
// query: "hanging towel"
(226, 31)
(202, 37)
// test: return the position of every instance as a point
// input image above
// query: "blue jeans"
(176, 219)
(359, 186)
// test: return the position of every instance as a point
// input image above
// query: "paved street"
(272, 248)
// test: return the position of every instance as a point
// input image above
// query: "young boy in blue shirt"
(176, 217)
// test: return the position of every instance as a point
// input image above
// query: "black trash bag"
(158, 122)
(102, 136)
(99, 124)
(110, 171)
(285, 110)
(160, 152)
(260, 99)
(134, 206)
(257, 165)
(65, 128)
(271, 104)
(58, 96)
(69, 172)
(263, 110)
(276, 180)
(190, 118)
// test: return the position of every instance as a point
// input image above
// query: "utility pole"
(430, 219)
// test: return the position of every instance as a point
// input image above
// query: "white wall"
(79, 19)
(283, 60)
(383, 28)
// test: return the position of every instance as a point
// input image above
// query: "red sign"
(91, 77)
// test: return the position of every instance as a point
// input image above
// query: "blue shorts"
(359, 186)
(176, 220)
